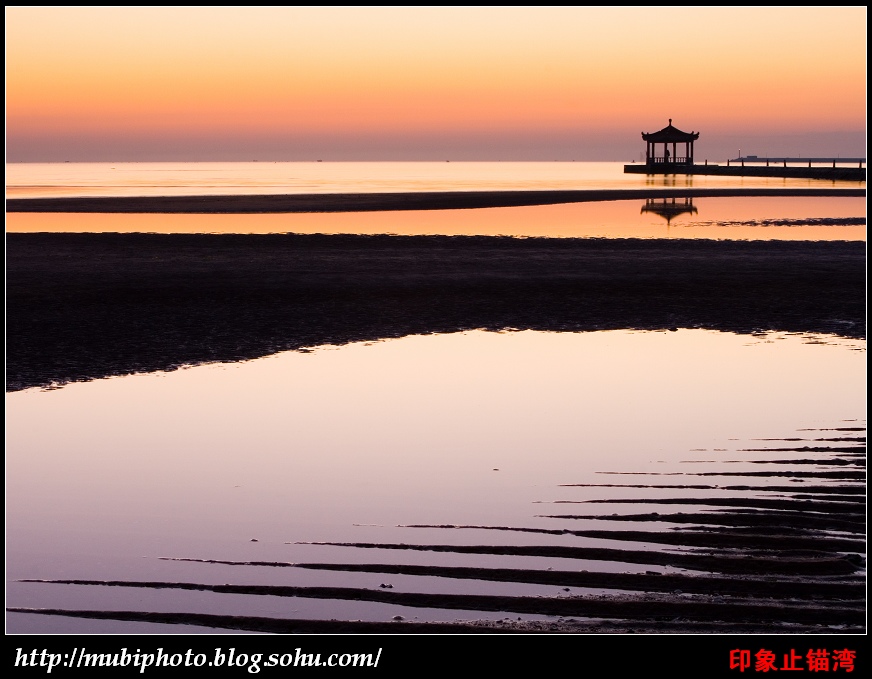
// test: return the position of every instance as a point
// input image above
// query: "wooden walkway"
(757, 167)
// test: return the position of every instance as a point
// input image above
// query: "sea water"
(251, 461)
(31, 180)
(783, 218)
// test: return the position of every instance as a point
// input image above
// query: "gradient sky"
(430, 83)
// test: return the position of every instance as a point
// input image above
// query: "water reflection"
(725, 218)
(243, 461)
(669, 208)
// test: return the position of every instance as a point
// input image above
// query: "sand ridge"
(365, 202)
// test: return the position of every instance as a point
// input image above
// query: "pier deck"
(751, 168)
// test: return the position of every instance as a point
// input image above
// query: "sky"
(430, 83)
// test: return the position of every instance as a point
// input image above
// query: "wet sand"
(763, 566)
(85, 306)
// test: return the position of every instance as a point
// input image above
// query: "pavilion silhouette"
(669, 135)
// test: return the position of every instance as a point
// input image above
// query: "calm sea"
(26, 180)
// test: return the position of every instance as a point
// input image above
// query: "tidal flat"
(396, 528)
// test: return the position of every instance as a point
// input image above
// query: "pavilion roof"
(669, 134)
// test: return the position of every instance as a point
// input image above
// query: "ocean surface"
(31, 180)
(747, 218)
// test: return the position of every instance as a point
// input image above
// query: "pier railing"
(663, 160)
(832, 169)
(783, 161)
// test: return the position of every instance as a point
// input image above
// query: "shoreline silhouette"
(365, 202)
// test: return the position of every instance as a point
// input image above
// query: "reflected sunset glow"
(716, 218)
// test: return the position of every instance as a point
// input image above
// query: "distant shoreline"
(369, 202)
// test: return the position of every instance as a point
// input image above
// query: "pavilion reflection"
(669, 208)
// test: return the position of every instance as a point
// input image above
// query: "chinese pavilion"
(669, 136)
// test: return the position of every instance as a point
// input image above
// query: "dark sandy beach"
(84, 306)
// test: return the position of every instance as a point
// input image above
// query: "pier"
(663, 155)
(805, 162)
(807, 171)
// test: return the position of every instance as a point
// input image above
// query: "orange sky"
(432, 83)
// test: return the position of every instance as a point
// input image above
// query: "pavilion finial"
(670, 121)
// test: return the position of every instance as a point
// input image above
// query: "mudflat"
(84, 306)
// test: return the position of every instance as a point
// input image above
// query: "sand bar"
(366, 202)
